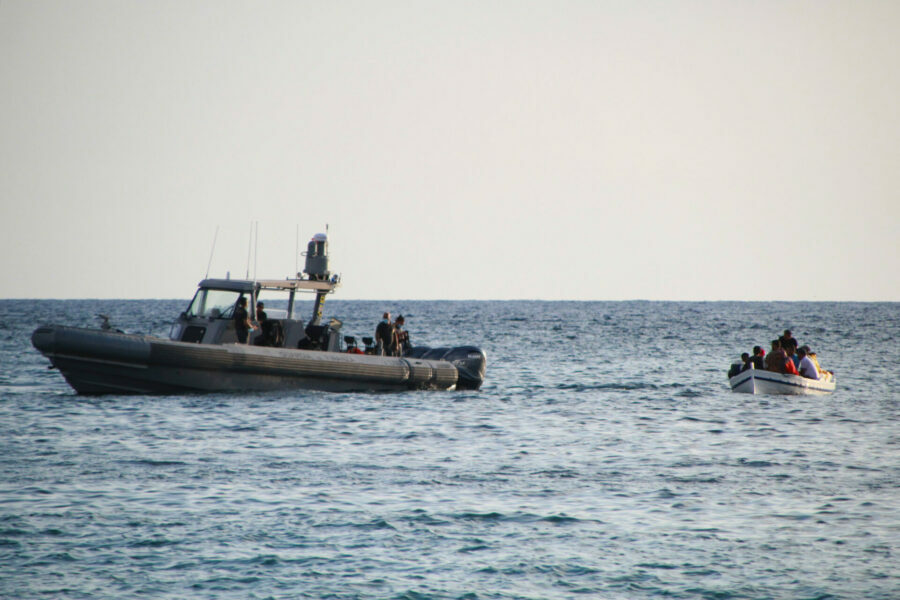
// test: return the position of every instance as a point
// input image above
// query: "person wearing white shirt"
(807, 367)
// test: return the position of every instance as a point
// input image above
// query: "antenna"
(249, 248)
(209, 264)
(255, 249)
(297, 253)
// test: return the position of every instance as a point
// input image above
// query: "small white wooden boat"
(758, 381)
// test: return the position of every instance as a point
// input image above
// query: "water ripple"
(602, 473)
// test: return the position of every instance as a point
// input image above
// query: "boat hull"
(757, 381)
(102, 362)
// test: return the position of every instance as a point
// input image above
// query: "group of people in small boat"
(786, 357)
(390, 337)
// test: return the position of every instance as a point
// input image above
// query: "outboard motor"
(470, 363)
(317, 258)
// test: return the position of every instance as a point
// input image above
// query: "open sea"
(605, 457)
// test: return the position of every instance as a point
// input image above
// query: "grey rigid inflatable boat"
(202, 353)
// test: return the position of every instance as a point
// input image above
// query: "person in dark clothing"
(242, 324)
(758, 358)
(740, 367)
(384, 336)
(272, 333)
(786, 339)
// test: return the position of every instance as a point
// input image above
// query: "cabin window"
(213, 303)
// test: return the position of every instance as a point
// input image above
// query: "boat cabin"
(209, 319)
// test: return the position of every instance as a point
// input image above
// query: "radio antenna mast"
(211, 252)
(255, 249)
(249, 249)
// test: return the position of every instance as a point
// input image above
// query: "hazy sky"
(561, 150)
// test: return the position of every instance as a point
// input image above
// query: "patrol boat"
(202, 353)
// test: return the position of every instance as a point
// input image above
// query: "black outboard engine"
(470, 363)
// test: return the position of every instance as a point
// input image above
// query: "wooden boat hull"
(757, 381)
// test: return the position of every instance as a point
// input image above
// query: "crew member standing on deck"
(384, 336)
(242, 324)
(401, 336)
(261, 315)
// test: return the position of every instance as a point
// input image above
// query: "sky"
(596, 150)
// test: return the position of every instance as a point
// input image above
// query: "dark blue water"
(605, 457)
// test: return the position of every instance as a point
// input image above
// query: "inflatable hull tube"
(102, 362)
(470, 363)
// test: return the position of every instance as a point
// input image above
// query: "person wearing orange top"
(789, 367)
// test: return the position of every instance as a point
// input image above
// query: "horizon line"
(649, 300)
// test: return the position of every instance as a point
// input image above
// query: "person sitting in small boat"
(777, 360)
(808, 368)
(740, 367)
(786, 338)
(823, 373)
(772, 360)
(790, 348)
(759, 358)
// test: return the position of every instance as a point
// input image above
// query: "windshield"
(213, 303)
